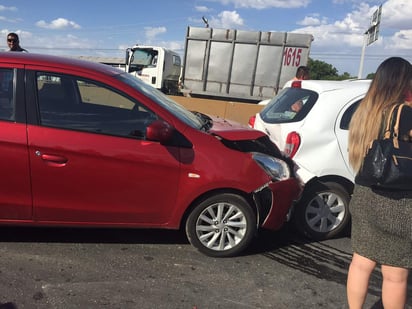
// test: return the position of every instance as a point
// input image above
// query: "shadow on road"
(91, 235)
(319, 259)
(8, 306)
(265, 241)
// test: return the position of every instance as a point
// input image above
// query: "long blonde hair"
(391, 84)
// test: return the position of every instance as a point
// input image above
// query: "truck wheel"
(222, 225)
(323, 211)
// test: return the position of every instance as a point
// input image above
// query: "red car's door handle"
(53, 160)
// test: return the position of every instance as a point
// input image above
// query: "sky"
(107, 28)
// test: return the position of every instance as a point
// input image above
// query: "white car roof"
(329, 85)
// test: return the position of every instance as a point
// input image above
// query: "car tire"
(222, 225)
(323, 211)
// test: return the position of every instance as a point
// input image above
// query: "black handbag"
(388, 162)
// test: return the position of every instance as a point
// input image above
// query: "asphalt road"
(94, 268)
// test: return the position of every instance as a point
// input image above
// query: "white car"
(309, 121)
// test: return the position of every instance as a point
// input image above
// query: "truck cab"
(156, 66)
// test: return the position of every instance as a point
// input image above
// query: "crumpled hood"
(233, 131)
(242, 138)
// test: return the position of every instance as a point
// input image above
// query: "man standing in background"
(302, 73)
(14, 43)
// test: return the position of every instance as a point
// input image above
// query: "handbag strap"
(392, 125)
(396, 127)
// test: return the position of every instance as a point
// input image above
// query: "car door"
(15, 192)
(342, 131)
(90, 161)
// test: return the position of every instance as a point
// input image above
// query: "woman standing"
(381, 219)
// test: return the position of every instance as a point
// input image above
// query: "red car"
(88, 145)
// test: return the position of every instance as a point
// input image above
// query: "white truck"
(223, 63)
(156, 66)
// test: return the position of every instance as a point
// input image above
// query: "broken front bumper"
(275, 200)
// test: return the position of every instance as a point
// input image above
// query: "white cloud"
(341, 34)
(312, 21)
(152, 32)
(264, 4)
(68, 41)
(50, 44)
(349, 32)
(177, 46)
(340, 42)
(8, 18)
(226, 20)
(202, 9)
(396, 14)
(401, 40)
(356, 21)
(7, 8)
(57, 24)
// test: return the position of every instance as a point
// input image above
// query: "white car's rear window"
(290, 105)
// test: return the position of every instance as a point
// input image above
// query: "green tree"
(322, 70)
(370, 76)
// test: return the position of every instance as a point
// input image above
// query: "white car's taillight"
(292, 144)
(252, 120)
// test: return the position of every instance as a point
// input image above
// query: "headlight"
(276, 168)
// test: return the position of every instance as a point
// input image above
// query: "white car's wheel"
(222, 225)
(323, 211)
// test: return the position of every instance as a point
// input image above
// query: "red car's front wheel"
(222, 225)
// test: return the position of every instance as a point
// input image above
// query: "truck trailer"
(238, 64)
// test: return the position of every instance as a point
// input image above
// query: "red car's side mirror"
(159, 131)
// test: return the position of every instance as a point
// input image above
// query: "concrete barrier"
(237, 111)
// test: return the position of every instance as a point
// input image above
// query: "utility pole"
(370, 36)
